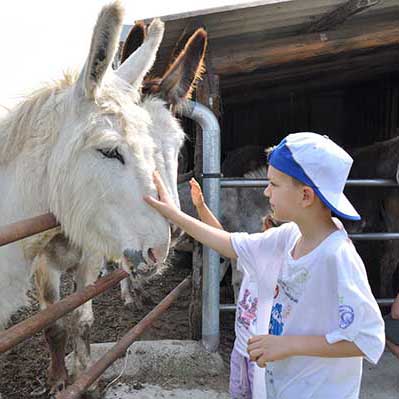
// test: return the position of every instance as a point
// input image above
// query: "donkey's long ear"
(102, 49)
(134, 69)
(134, 40)
(180, 79)
(181, 42)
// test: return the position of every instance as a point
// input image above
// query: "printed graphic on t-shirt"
(295, 285)
(247, 310)
(286, 295)
(276, 320)
(346, 316)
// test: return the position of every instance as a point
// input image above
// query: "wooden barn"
(279, 66)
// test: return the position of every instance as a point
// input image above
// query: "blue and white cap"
(318, 162)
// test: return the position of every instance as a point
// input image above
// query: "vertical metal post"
(211, 184)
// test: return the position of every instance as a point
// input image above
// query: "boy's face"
(285, 197)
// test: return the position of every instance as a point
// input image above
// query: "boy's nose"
(266, 192)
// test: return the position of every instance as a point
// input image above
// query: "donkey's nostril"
(152, 256)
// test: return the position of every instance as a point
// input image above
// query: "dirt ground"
(23, 369)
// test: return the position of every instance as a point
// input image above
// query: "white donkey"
(85, 149)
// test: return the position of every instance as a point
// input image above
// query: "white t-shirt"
(324, 293)
(247, 307)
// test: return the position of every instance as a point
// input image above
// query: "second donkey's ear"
(179, 80)
(134, 40)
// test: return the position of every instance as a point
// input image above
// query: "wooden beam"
(386, 59)
(247, 57)
(340, 15)
(306, 79)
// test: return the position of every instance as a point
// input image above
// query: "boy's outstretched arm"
(267, 348)
(217, 239)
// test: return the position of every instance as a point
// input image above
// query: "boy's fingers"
(159, 184)
(254, 339)
(255, 354)
(194, 183)
(254, 347)
(151, 200)
(261, 361)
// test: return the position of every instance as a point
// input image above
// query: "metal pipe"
(374, 236)
(231, 307)
(385, 301)
(25, 228)
(211, 183)
(227, 307)
(21, 331)
(243, 182)
(76, 390)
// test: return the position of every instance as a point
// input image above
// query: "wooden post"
(307, 48)
(208, 94)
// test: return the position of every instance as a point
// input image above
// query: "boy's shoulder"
(342, 255)
(286, 233)
(287, 229)
(340, 244)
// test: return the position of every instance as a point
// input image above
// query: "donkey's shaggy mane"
(28, 120)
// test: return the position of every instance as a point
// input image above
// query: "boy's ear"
(308, 195)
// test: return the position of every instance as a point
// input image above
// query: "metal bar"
(211, 183)
(86, 379)
(231, 307)
(252, 183)
(374, 236)
(227, 307)
(46, 317)
(25, 228)
(385, 301)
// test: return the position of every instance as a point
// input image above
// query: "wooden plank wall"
(354, 115)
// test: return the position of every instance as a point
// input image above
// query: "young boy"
(324, 318)
(246, 379)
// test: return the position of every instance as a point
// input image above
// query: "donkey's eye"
(112, 153)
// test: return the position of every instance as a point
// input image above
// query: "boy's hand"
(266, 348)
(196, 193)
(164, 205)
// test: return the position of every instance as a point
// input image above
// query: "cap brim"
(338, 204)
